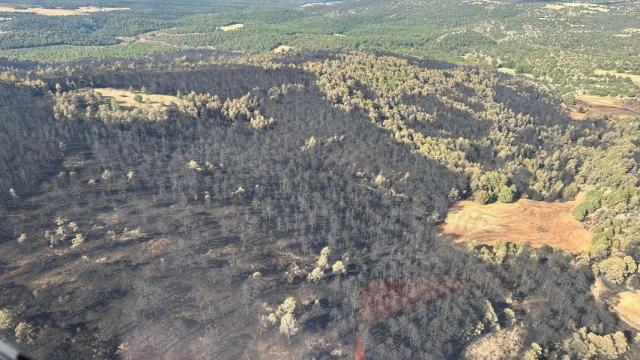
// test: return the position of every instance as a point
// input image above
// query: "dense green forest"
(565, 48)
(285, 206)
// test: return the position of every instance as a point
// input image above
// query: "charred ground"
(176, 233)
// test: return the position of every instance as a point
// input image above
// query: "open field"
(575, 5)
(530, 222)
(633, 77)
(126, 98)
(627, 33)
(627, 306)
(591, 105)
(231, 27)
(59, 11)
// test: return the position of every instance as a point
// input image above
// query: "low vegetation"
(48, 11)
(570, 48)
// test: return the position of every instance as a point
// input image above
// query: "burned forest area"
(288, 206)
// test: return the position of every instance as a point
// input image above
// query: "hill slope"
(183, 231)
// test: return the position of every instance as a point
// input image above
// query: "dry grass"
(38, 10)
(587, 106)
(506, 70)
(282, 49)
(231, 27)
(574, 5)
(599, 100)
(125, 98)
(633, 77)
(627, 306)
(627, 33)
(530, 222)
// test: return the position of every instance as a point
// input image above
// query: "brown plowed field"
(530, 222)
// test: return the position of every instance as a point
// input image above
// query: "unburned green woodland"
(563, 48)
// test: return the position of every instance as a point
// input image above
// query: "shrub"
(316, 274)
(288, 306)
(258, 121)
(137, 98)
(507, 194)
(106, 175)
(588, 345)
(24, 333)
(323, 260)
(579, 212)
(338, 268)
(588, 206)
(483, 197)
(309, 143)
(193, 165)
(6, 319)
(272, 318)
(77, 240)
(616, 269)
(534, 352)
(293, 272)
(73, 226)
(288, 325)
(114, 105)
(600, 239)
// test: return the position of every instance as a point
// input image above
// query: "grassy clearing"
(574, 5)
(231, 27)
(127, 99)
(632, 77)
(38, 10)
(587, 106)
(530, 222)
(627, 306)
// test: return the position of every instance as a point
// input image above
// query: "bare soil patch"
(231, 27)
(126, 98)
(627, 306)
(627, 33)
(585, 7)
(590, 105)
(635, 78)
(530, 222)
(38, 10)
